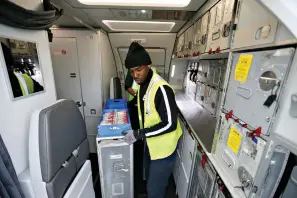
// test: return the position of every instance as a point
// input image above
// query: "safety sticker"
(243, 67)
(234, 140)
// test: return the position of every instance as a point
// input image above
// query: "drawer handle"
(244, 92)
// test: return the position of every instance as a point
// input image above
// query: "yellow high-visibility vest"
(164, 145)
(29, 84)
(135, 86)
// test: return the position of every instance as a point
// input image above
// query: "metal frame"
(122, 143)
(4, 69)
(264, 165)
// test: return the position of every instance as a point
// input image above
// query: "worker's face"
(139, 73)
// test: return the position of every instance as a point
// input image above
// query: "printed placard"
(234, 140)
(243, 67)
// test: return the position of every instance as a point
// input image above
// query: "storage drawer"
(176, 170)
(183, 183)
(187, 153)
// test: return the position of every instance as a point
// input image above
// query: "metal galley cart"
(115, 156)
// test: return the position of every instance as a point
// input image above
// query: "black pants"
(158, 173)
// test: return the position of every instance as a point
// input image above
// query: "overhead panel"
(132, 14)
(99, 12)
(174, 15)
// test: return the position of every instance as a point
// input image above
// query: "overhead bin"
(257, 27)
(215, 23)
(188, 42)
(200, 34)
(227, 23)
(220, 26)
(180, 45)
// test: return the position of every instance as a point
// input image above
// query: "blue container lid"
(116, 104)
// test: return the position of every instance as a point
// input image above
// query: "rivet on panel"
(267, 119)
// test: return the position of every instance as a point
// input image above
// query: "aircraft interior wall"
(94, 66)
(152, 41)
(16, 113)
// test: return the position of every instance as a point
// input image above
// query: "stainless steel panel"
(247, 157)
(183, 183)
(202, 122)
(116, 169)
(210, 182)
(176, 170)
(216, 72)
(266, 75)
(203, 70)
(275, 171)
(211, 101)
(187, 153)
(200, 93)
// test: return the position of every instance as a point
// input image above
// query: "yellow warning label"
(234, 140)
(243, 67)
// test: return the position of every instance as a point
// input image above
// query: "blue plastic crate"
(116, 104)
(114, 129)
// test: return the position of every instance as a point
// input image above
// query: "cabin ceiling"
(94, 14)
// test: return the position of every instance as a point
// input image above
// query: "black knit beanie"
(137, 56)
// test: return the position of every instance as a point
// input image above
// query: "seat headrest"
(61, 130)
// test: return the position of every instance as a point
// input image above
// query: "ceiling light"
(143, 3)
(140, 26)
(143, 11)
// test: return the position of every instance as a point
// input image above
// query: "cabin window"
(21, 63)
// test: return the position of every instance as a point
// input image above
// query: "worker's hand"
(129, 136)
(132, 136)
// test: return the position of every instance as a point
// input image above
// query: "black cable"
(19, 17)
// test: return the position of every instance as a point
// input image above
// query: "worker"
(132, 87)
(21, 83)
(159, 125)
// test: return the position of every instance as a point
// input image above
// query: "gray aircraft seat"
(58, 154)
(115, 88)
